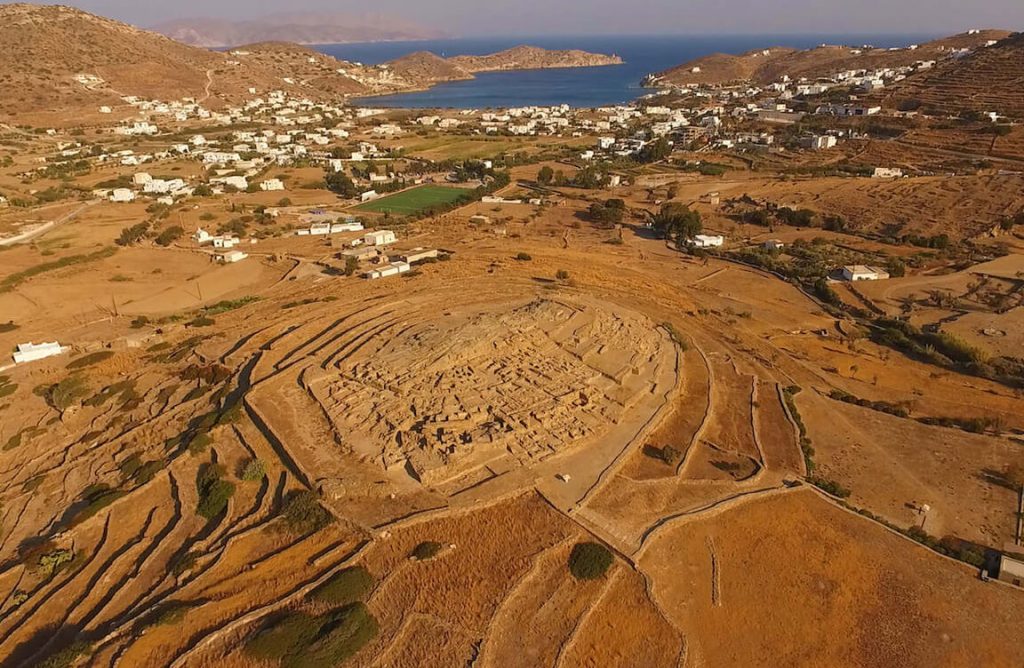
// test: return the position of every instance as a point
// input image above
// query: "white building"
(346, 226)
(379, 238)
(231, 257)
(887, 173)
(122, 195)
(225, 241)
(271, 185)
(860, 272)
(369, 195)
(202, 237)
(707, 241)
(818, 142)
(393, 269)
(30, 352)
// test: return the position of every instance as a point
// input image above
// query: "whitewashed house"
(860, 272)
(379, 238)
(707, 241)
(122, 195)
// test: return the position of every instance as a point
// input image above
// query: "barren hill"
(990, 79)
(427, 68)
(300, 28)
(45, 48)
(532, 58)
(768, 65)
(58, 59)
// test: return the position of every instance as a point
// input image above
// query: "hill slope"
(46, 47)
(765, 66)
(990, 79)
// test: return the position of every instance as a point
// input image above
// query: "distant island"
(297, 28)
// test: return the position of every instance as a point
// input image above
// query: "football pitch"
(409, 202)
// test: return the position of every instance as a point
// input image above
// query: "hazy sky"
(537, 17)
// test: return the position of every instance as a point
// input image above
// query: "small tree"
(589, 561)
(426, 550)
(545, 176)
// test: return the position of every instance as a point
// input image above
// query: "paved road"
(46, 227)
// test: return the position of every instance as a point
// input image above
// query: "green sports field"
(409, 202)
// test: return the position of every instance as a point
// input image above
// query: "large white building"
(30, 352)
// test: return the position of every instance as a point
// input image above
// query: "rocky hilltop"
(533, 58)
(299, 28)
(763, 66)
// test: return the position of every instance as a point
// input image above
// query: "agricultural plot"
(409, 202)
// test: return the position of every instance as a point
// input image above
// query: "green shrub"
(214, 492)
(168, 614)
(184, 563)
(67, 656)
(303, 514)
(562, 275)
(345, 587)
(589, 561)
(199, 443)
(426, 550)
(67, 393)
(284, 637)
(97, 498)
(343, 633)
(523, 257)
(299, 640)
(253, 471)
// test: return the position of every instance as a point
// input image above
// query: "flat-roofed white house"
(379, 238)
(201, 237)
(225, 241)
(30, 352)
(346, 226)
(393, 269)
(887, 173)
(1011, 570)
(122, 195)
(707, 241)
(272, 185)
(231, 257)
(419, 255)
(369, 195)
(861, 272)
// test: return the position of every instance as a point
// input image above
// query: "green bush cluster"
(880, 406)
(300, 639)
(214, 492)
(303, 514)
(344, 587)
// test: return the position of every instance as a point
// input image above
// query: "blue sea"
(581, 87)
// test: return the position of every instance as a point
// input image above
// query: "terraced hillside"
(990, 79)
(764, 66)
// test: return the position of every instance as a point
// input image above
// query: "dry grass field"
(222, 442)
